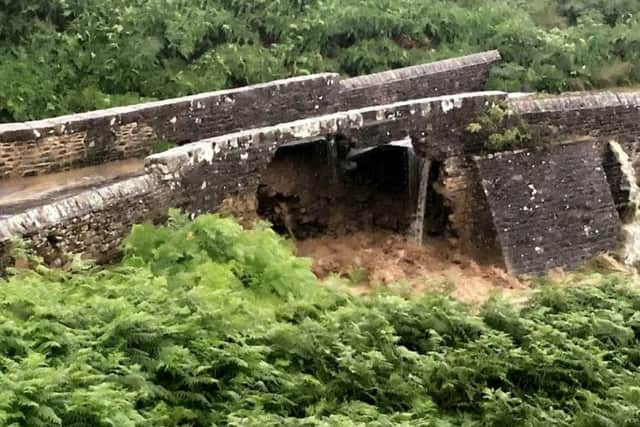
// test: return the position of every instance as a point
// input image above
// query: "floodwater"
(631, 228)
(385, 259)
(17, 194)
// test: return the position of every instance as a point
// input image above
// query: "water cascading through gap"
(631, 227)
(332, 159)
(417, 228)
(413, 169)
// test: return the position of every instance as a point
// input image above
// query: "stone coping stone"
(420, 70)
(575, 101)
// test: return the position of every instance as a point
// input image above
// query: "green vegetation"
(61, 56)
(500, 129)
(204, 324)
(162, 145)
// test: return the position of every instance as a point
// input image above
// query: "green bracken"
(205, 324)
(62, 56)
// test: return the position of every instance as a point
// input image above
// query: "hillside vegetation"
(61, 56)
(204, 324)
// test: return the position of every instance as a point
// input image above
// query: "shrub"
(69, 55)
(499, 129)
(203, 323)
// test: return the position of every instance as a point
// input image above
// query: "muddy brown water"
(18, 194)
(387, 259)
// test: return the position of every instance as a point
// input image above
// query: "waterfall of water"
(417, 228)
(631, 228)
(413, 165)
(332, 158)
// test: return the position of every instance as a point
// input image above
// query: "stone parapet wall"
(93, 222)
(435, 125)
(67, 142)
(214, 172)
(602, 115)
(62, 143)
(209, 171)
(450, 76)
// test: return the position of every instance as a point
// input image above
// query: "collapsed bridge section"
(86, 139)
(103, 203)
(325, 165)
(224, 173)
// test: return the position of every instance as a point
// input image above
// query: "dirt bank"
(380, 258)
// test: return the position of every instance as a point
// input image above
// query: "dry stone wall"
(600, 117)
(603, 115)
(93, 222)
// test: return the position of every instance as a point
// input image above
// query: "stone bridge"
(322, 154)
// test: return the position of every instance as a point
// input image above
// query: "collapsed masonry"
(319, 154)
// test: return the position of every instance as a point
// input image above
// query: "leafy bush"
(60, 56)
(499, 129)
(203, 323)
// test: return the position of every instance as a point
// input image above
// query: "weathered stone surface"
(66, 142)
(618, 183)
(550, 208)
(209, 171)
(92, 222)
(601, 115)
(456, 75)
(435, 125)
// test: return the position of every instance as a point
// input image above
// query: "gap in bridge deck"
(316, 188)
(353, 210)
(18, 194)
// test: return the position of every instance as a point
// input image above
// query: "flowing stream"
(631, 227)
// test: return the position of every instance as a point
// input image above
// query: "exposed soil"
(381, 258)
